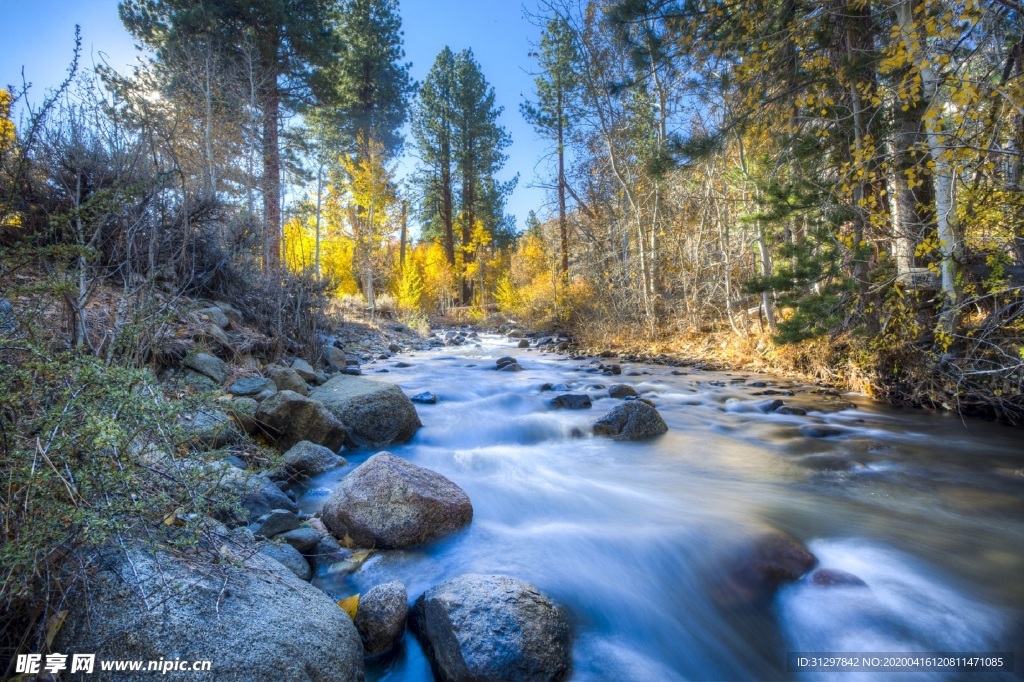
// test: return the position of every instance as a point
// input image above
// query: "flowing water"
(925, 508)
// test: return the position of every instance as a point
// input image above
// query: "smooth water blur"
(927, 509)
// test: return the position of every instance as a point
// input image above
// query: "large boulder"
(306, 459)
(297, 418)
(252, 621)
(375, 413)
(390, 503)
(492, 627)
(208, 365)
(380, 617)
(632, 420)
(287, 379)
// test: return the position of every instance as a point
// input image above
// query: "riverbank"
(891, 371)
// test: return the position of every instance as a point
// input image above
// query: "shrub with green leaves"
(91, 455)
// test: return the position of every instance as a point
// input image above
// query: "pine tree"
(293, 41)
(460, 145)
(555, 85)
(373, 83)
(434, 131)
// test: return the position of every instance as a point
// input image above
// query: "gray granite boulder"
(492, 627)
(632, 420)
(389, 503)
(376, 414)
(289, 557)
(295, 418)
(208, 365)
(252, 386)
(380, 617)
(306, 459)
(621, 391)
(253, 621)
(287, 379)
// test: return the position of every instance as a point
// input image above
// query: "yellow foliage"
(350, 605)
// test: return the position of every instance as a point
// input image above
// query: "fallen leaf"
(53, 626)
(350, 605)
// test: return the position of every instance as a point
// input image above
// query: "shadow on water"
(629, 537)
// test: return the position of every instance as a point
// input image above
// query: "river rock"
(296, 418)
(375, 413)
(289, 557)
(334, 356)
(380, 618)
(632, 420)
(252, 386)
(755, 567)
(511, 367)
(210, 429)
(253, 621)
(208, 365)
(327, 553)
(833, 577)
(621, 391)
(276, 522)
(425, 398)
(287, 379)
(256, 493)
(571, 401)
(524, 343)
(302, 538)
(821, 431)
(492, 627)
(390, 503)
(304, 369)
(506, 360)
(306, 459)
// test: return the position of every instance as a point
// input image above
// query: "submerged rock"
(492, 627)
(295, 418)
(757, 566)
(821, 431)
(375, 413)
(380, 618)
(632, 420)
(833, 577)
(253, 621)
(390, 503)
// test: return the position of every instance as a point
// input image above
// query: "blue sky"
(39, 37)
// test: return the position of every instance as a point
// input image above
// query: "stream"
(927, 509)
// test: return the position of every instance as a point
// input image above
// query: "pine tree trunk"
(271, 177)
